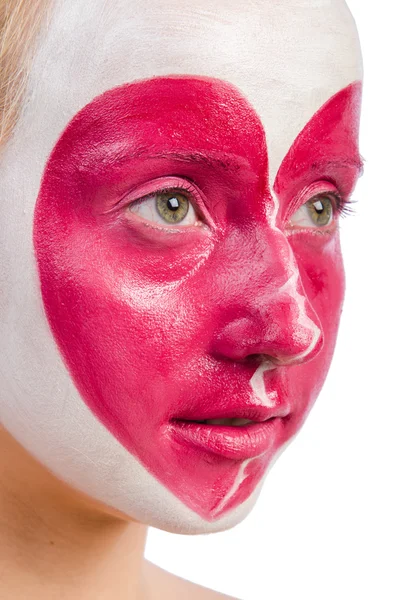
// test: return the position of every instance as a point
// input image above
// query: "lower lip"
(233, 442)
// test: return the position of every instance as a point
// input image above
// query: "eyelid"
(163, 184)
(318, 188)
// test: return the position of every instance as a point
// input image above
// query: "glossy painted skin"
(287, 59)
(157, 323)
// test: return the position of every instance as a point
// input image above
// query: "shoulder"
(176, 588)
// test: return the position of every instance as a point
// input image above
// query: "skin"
(57, 543)
(284, 121)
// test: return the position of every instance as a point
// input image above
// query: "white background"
(325, 525)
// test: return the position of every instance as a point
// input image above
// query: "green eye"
(320, 210)
(316, 212)
(172, 207)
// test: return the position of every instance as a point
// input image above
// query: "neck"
(54, 543)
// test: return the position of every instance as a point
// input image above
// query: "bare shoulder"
(164, 585)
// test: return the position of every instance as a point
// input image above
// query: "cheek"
(118, 314)
(320, 264)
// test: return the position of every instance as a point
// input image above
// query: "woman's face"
(185, 175)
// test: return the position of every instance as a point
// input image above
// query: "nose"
(269, 316)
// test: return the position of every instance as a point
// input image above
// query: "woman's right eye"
(167, 207)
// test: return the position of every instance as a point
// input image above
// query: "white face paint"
(287, 57)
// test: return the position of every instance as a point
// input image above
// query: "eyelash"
(187, 189)
(344, 207)
(174, 188)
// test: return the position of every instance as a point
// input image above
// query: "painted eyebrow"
(346, 163)
(227, 163)
(230, 163)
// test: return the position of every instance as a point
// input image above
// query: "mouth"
(232, 422)
(234, 438)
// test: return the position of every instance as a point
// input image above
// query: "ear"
(327, 148)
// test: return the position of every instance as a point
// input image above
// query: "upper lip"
(257, 414)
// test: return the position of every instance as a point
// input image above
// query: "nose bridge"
(273, 315)
(278, 263)
(258, 259)
(273, 271)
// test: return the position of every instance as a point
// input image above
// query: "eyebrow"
(225, 162)
(344, 163)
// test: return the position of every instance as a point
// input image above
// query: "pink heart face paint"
(170, 255)
(228, 311)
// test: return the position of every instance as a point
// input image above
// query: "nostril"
(255, 359)
(262, 359)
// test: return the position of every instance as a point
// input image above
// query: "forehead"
(287, 56)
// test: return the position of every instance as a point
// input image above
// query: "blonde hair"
(20, 22)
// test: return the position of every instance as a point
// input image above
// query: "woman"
(171, 271)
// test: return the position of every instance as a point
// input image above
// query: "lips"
(232, 442)
(250, 433)
(233, 411)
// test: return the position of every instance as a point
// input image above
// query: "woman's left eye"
(316, 212)
(170, 207)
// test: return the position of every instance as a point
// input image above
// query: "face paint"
(162, 325)
(154, 328)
